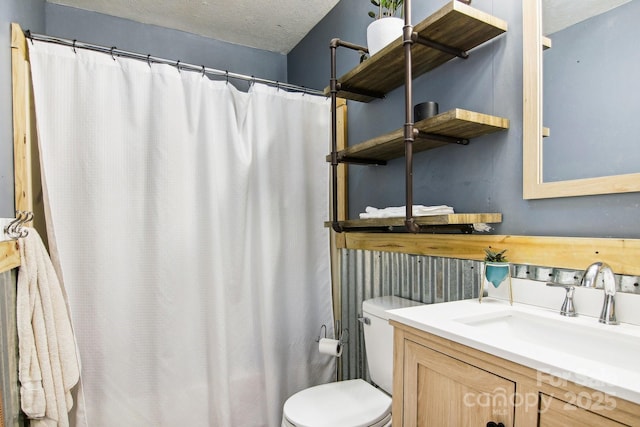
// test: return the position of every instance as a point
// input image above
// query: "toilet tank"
(378, 337)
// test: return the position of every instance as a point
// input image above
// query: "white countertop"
(623, 382)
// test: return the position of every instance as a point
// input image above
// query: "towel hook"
(15, 228)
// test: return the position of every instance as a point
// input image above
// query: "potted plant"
(496, 266)
(387, 25)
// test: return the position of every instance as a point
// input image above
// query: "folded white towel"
(399, 211)
(482, 227)
(48, 365)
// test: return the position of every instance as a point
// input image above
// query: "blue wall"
(29, 13)
(485, 176)
(91, 27)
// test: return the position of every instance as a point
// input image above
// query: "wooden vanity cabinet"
(438, 382)
(563, 414)
(438, 387)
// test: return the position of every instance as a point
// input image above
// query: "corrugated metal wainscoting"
(9, 348)
(369, 274)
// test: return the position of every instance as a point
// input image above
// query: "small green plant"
(495, 256)
(386, 8)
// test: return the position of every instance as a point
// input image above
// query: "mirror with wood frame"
(540, 182)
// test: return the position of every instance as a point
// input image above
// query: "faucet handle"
(567, 309)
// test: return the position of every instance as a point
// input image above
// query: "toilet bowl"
(354, 403)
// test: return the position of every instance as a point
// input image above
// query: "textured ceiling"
(560, 14)
(273, 25)
(278, 25)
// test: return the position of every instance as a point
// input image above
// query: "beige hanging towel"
(49, 366)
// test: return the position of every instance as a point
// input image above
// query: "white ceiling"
(560, 14)
(273, 25)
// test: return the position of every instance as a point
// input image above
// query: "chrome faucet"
(589, 280)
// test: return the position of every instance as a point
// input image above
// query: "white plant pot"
(383, 31)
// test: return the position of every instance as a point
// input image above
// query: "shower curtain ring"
(226, 74)
(149, 60)
(178, 65)
(203, 71)
(112, 49)
(74, 46)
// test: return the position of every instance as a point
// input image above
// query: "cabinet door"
(440, 390)
(556, 413)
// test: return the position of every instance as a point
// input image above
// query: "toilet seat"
(352, 403)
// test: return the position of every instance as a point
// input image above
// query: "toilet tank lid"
(379, 306)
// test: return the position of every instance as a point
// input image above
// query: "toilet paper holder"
(343, 336)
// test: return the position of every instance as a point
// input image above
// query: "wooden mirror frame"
(534, 186)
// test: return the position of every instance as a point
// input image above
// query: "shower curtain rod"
(113, 51)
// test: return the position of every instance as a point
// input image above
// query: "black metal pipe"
(443, 138)
(115, 52)
(407, 42)
(341, 43)
(361, 161)
(333, 84)
(334, 87)
(358, 91)
(416, 37)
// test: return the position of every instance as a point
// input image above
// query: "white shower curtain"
(187, 220)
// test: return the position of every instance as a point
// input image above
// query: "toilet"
(354, 403)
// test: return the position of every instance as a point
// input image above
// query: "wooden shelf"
(456, 123)
(451, 31)
(455, 25)
(448, 220)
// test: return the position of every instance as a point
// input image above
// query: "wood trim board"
(27, 180)
(561, 252)
(21, 90)
(337, 239)
(9, 256)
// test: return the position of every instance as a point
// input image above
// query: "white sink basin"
(578, 349)
(604, 344)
